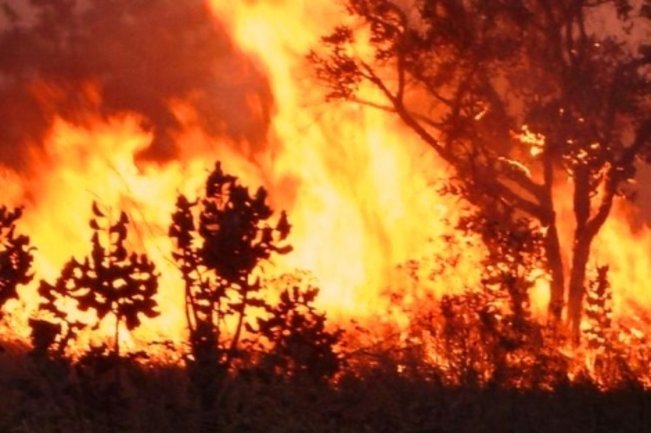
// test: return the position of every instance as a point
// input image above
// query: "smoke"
(139, 55)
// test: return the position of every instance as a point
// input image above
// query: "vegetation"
(109, 282)
(219, 253)
(260, 354)
(517, 96)
(157, 400)
(15, 256)
(218, 256)
(479, 80)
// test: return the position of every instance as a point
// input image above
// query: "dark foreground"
(37, 396)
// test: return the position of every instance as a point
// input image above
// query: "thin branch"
(391, 109)
(615, 176)
(407, 117)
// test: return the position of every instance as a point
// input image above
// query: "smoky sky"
(141, 54)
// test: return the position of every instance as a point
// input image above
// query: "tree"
(110, 282)
(478, 79)
(218, 253)
(15, 255)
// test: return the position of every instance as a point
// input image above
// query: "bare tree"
(517, 96)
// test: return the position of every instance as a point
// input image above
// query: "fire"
(360, 178)
(360, 189)
(535, 140)
(626, 251)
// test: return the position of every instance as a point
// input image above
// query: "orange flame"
(359, 188)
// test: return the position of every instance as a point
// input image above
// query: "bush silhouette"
(221, 241)
(110, 282)
(217, 257)
(295, 341)
(15, 255)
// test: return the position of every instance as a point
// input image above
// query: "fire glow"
(360, 189)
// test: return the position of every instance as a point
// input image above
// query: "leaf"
(120, 253)
(283, 226)
(121, 230)
(286, 249)
(257, 303)
(132, 321)
(96, 211)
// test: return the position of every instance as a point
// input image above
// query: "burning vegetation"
(449, 208)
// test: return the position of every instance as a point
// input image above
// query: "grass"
(57, 396)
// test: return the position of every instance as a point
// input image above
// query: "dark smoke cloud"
(141, 53)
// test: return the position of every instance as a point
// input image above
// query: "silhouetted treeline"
(259, 353)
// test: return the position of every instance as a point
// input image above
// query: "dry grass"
(48, 397)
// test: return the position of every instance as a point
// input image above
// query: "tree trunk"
(580, 257)
(555, 263)
(552, 246)
(116, 348)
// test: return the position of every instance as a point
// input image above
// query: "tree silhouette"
(295, 340)
(218, 252)
(517, 96)
(599, 309)
(15, 255)
(110, 281)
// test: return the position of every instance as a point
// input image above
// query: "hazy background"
(139, 55)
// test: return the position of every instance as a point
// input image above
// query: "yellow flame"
(359, 188)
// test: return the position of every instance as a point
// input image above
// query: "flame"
(359, 188)
(364, 186)
(626, 250)
(535, 140)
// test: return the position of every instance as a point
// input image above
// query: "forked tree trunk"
(576, 287)
(588, 223)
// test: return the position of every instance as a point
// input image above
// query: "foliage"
(294, 339)
(515, 96)
(515, 258)
(599, 309)
(218, 256)
(464, 333)
(219, 253)
(15, 255)
(109, 282)
(486, 334)
(485, 345)
(612, 352)
(466, 360)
